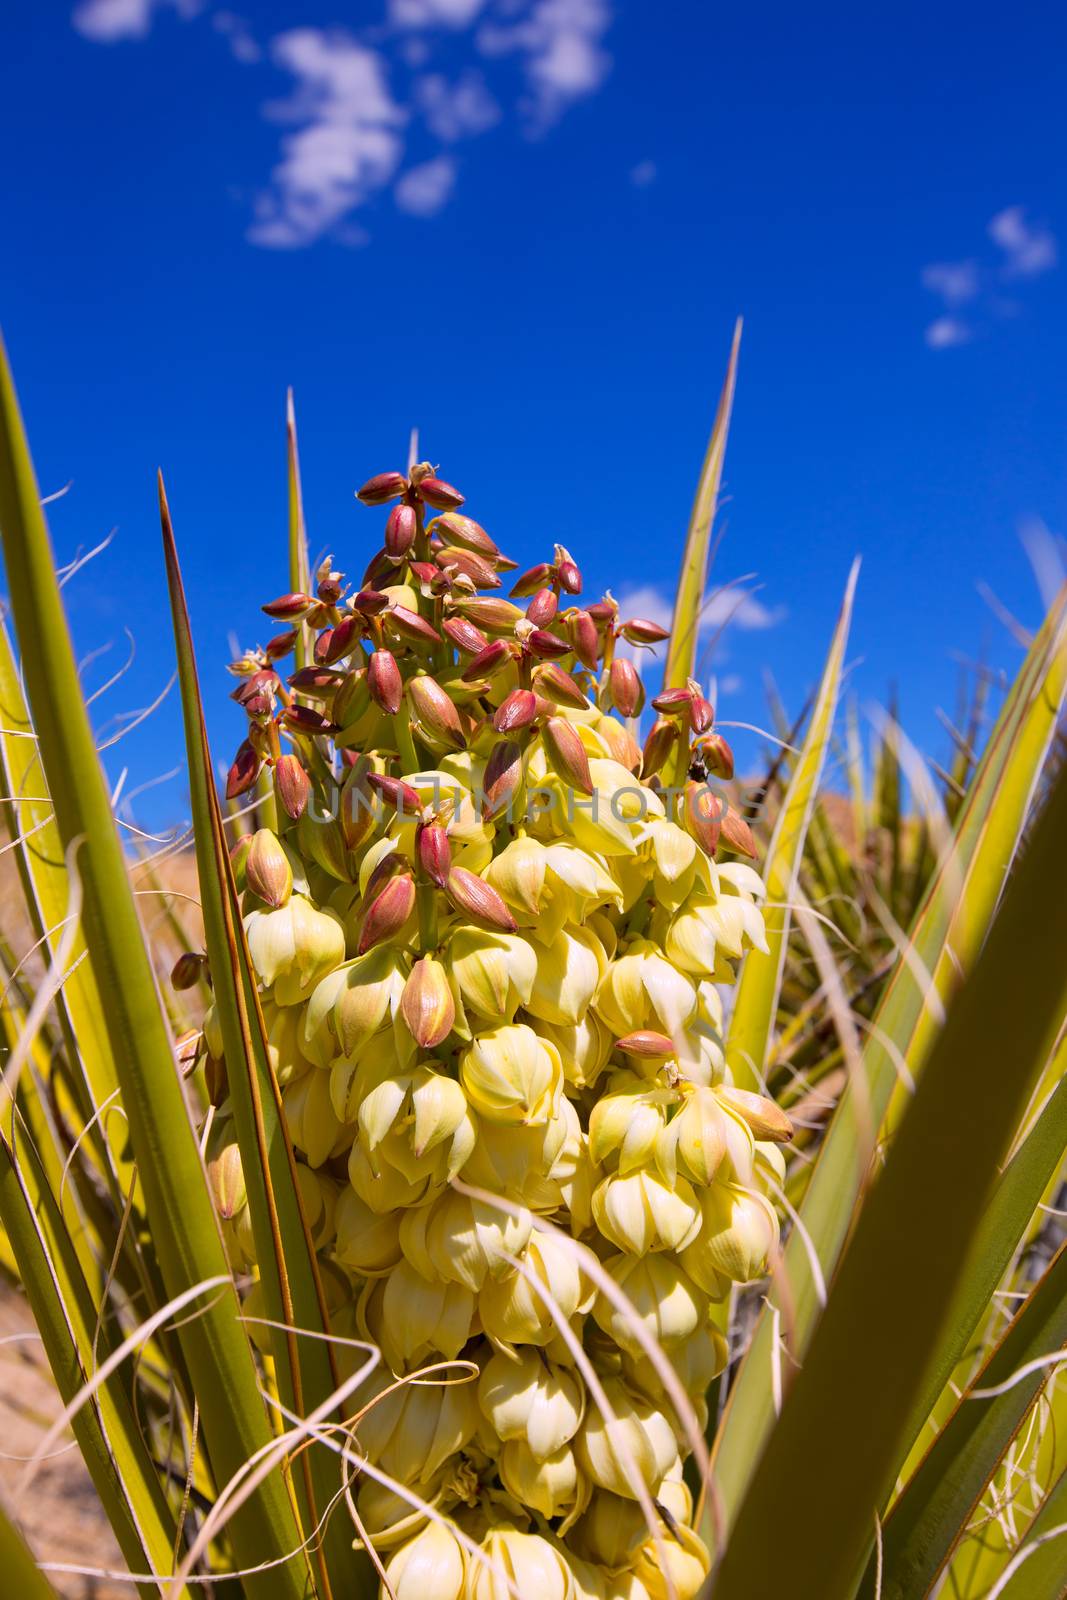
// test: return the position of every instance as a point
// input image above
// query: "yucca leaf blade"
(177, 1201)
(20, 1570)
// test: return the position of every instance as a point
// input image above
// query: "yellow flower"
(641, 989)
(569, 967)
(552, 1484)
(510, 1075)
(641, 1430)
(294, 947)
(494, 972)
(528, 1397)
(413, 1430)
(519, 1563)
(432, 1566)
(663, 1298)
(739, 1234)
(640, 1212)
(461, 1240)
(511, 1309)
(365, 1242)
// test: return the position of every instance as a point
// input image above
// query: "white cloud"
(945, 332)
(643, 174)
(955, 281)
(348, 147)
(107, 21)
(456, 110)
(1029, 248)
(434, 13)
(561, 43)
(425, 189)
(238, 35)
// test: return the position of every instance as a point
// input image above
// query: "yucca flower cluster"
(490, 930)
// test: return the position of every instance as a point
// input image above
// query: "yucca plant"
(411, 1262)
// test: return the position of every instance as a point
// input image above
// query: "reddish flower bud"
(603, 612)
(640, 631)
(559, 686)
(427, 1004)
(409, 625)
(646, 1044)
(585, 641)
(387, 869)
(502, 778)
(434, 852)
(302, 719)
(384, 682)
(369, 602)
(388, 912)
(701, 713)
(322, 645)
(244, 772)
(702, 815)
(490, 612)
(381, 572)
(627, 690)
(478, 899)
(531, 581)
(566, 753)
(385, 486)
(435, 710)
(280, 645)
(451, 559)
(268, 872)
(187, 970)
(622, 746)
(439, 494)
(464, 635)
(292, 786)
(569, 577)
(289, 607)
(717, 756)
(396, 793)
(658, 746)
(737, 835)
(542, 608)
(547, 645)
(454, 529)
(400, 532)
(317, 682)
(517, 711)
(673, 702)
(358, 808)
(255, 694)
(488, 660)
(352, 699)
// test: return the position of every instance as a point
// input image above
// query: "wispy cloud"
(108, 21)
(359, 99)
(423, 190)
(643, 174)
(347, 145)
(1026, 250)
(1029, 248)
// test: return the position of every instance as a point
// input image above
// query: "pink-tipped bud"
(622, 746)
(343, 639)
(603, 612)
(502, 778)
(255, 694)
(542, 608)
(703, 816)
(435, 710)
(381, 571)
(640, 631)
(244, 772)
(322, 645)
(531, 581)
(646, 1044)
(382, 488)
(302, 719)
(267, 870)
(717, 756)
(464, 635)
(454, 529)
(547, 645)
(766, 1120)
(369, 602)
(292, 786)
(673, 702)
(384, 873)
(395, 792)
(453, 559)
(519, 710)
(568, 577)
(429, 576)
(289, 607)
(478, 899)
(491, 658)
(490, 612)
(318, 682)
(239, 858)
(551, 680)
(388, 912)
(701, 711)
(188, 970)
(627, 690)
(400, 532)
(280, 645)
(384, 682)
(737, 835)
(427, 1004)
(434, 852)
(439, 494)
(566, 753)
(584, 638)
(662, 738)
(409, 625)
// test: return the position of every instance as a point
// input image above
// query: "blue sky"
(527, 226)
